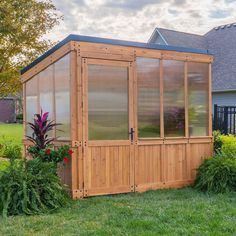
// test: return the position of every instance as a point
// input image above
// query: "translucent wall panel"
(198, 98)
(107, 102)
(31, 101)
(174, 111)
(148, 74)
(46, 90)
(62, 96)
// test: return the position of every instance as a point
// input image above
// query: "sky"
(135, 20)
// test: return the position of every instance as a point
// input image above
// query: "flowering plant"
(61, 154)
(43, 148)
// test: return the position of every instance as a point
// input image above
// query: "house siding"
(7, 110)
(224, 98)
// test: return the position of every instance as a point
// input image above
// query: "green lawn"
(162, 212)
(12, 131)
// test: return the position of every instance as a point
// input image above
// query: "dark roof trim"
(89, 39)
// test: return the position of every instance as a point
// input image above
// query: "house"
(221, 42)
(7, 110)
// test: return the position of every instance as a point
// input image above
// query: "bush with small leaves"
(30, 187)
(217, 174)
(9, 148)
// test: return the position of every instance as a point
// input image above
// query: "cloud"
(179, 2)
(136, 19)
(132, 4)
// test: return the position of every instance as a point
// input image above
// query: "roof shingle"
(221, 42)
(183, 39)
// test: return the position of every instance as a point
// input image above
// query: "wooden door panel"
(108, 165)
(109, 170)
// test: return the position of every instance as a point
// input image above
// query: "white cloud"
(135, 20)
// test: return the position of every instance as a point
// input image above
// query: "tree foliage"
(23, 23)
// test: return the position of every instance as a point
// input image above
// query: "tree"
(23, 23)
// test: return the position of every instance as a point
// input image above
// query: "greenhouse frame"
(137, 115)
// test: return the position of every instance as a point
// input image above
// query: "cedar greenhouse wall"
(137, 118)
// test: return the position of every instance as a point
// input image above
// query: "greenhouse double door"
(108, 121)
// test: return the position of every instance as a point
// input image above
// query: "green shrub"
(3, 165)
(12, 151)
(228, 144)
(30, 187)
(217, 141)
(19, 116)
(9, 148)
(217, 174)
(224, 144)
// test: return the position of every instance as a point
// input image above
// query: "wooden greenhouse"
(137, 115)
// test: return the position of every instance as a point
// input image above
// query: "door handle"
(131, 133)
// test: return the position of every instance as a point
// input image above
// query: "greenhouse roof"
(89, 39)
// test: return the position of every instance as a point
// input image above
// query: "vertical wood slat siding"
(148, 167)
(109, 170)
(177, 167)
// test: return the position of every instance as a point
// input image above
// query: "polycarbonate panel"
(107, 102)
(198, 89)
(31, 101)
(174, 105)
(46, 90)
(62, 96)
(148, 75)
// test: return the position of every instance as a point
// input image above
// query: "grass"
(162, 212)
(12, 131)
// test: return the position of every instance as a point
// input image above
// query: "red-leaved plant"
(41, 126)
(43, 148)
